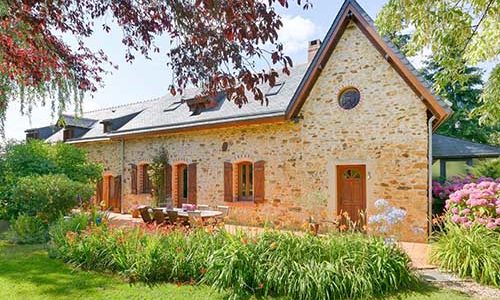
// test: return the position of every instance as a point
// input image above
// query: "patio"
(418, 252)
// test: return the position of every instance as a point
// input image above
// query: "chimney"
(313, 48)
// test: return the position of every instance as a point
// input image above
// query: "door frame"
(331, 167)
(339, 169)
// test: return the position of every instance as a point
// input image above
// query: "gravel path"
(452, 282)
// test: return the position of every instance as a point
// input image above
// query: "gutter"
(429, 171)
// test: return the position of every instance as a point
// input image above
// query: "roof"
(450, 147)
(351, 11)
(171, 114)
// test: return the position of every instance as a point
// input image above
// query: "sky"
(145, 79)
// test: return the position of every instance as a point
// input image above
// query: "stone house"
(351, 126)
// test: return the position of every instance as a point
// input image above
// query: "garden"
(52, 250)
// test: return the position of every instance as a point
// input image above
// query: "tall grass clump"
(309, 267)
(270, 264)
(469, 252)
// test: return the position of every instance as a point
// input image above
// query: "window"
(107, 127)
(68, 133)
(32, 135)
(182, 184)
(274, 90)
(349, 98)
(145, 181)
(245, 181)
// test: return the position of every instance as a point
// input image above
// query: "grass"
(26, 272)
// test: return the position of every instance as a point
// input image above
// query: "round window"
(349, 98)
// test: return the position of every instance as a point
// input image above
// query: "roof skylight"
(275, 89)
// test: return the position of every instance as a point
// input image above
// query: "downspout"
(122, 163)
(429, 170)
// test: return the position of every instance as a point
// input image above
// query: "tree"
(214, 46)
(465, 97)
(459, 33)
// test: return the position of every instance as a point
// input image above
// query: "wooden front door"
(351, 190)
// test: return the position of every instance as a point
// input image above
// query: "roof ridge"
(125, 104)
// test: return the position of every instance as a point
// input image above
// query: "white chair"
(225, 212)
(203, 207)
(195, 219)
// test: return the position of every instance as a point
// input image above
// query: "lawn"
(26, 272)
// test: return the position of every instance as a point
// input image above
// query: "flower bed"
(273, 263)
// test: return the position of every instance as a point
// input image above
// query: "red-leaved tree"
(215, 44)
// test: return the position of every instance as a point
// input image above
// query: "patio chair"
(225, 212)
(195, 220)
(203, 207)
(173, 217)
(146, 214)
(158, 216)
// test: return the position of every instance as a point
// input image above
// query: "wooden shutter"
(117, 193)
(133, 179)
(192, 185)
(228, 181)
(258, 181)
(146, 182)
(168, 180)
(98, 192)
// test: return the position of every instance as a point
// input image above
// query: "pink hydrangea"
(477, 203)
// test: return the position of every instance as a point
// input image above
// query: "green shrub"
(28, 230)
(487, 168)
(274, 263)
(47, 196)
(469, 252)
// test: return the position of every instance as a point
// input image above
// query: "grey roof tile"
(449, 147)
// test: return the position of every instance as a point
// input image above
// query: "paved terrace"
(418, 252)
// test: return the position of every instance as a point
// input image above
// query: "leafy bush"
(274, 263)
(469, 252)
(488, 168)
(47, 196)
(441, 191)
(36, 158)
(476, 203)
(28, 230)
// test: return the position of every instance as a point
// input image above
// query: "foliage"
(214, 45)
(156, 172)
(387, 216)
(442, 191)
(28, 230)
(47, 196)
(476, 203)
(465, 98)
(273, 263)
(469, 252)
(36, 157)
(458, 33)
(487, 168)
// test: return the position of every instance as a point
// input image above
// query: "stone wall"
(387, 132)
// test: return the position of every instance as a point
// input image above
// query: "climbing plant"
(156, 174)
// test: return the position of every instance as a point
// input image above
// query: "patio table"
(205, 214)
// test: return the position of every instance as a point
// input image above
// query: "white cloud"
(295, 34)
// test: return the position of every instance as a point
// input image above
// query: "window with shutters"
(245, 181)
(185, 184)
